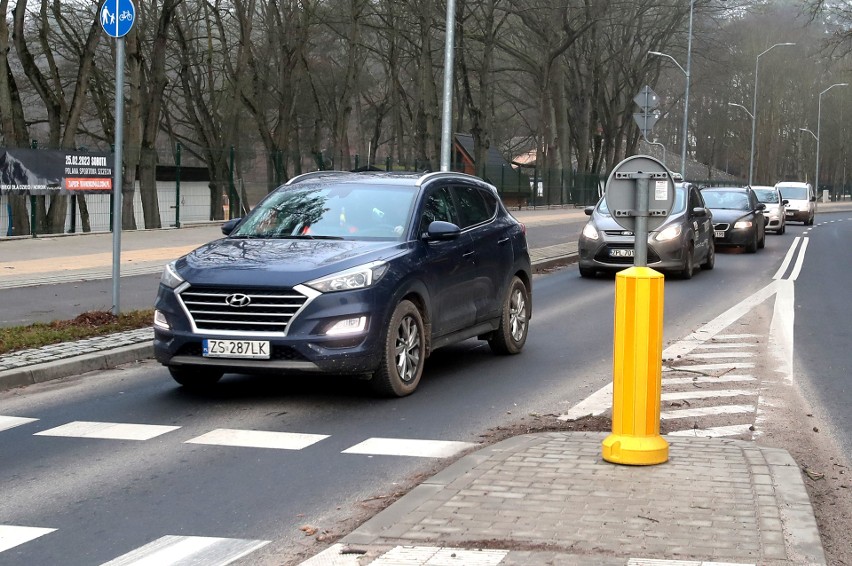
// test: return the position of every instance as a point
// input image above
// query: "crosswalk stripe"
(258, 439)
(11, 422)
(111, 431)
(719, 355)
(710, 367)
(713, 431)
(707, 411)
(431, 555)
(735, 336)
(705, 394)
(173, 550)
(13, 535)
(409, 447)
(725, 345)
(706, 379)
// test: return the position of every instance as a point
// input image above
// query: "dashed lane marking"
(706, 394)
(11, 422)
(110, 431)
(14, 535)
(173, 550)
(409, 447)
(258, 439)
(707, 412)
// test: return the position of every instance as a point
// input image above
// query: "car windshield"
(768, 196)
(794, 193)
(331, 211)
(726, 199)
(678, 207)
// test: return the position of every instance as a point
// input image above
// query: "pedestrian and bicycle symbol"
(117, 17)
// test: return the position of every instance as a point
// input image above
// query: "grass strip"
(86, 325)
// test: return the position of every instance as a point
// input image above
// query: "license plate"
(254, 349)
(621, 253)
(789, 213)
(719, 233)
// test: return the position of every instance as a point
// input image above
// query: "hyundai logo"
(238, 300)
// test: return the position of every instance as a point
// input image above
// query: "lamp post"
(754, 110)
(750, 115)
(812, 134)
(819, 116)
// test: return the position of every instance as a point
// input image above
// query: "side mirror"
(589, 210)
(699, 211)
(442, 231)
(229, 226)
(761, 206)
(813, 199)
(785, 202)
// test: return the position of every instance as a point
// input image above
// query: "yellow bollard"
(637, 370)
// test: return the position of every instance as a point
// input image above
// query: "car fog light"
(347, 326)
(160, 320)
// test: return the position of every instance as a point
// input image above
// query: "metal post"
(640, 240)
(819, 117)
(447, 115)
(232, 196)
(177, 185)
(117, 176)
(686, 95)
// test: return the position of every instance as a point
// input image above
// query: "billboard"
(43, 171)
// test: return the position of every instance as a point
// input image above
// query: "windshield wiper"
(306, 237)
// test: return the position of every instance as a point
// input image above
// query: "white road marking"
(173, 550)
(735, 336)
(11, 422)
(258, 439)
(334, 556)
(111, 431)
(706, 379)
(725, 345)
(719, 355)
(714, 431)
(710, 367)
(705, 394)
(707, 412)
(409, 447)
(595, 404)
(13, 535)
(787, 259)
(799, 261)
(438, 556)
(781, 343)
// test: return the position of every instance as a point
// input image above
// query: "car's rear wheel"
(762, 243)
(782, 229)
(710, 260)
(404, 353)
(511, 336)
(195, 377)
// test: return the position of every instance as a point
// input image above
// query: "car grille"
(723, 227)
(267, 310)
(618, 233)
(283, 353)
(603, 255)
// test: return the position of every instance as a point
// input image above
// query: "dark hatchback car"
(738, 218)
(349, 273)
(682, 242)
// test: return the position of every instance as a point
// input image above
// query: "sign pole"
(117, 174)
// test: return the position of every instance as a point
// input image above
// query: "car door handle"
(468, 254)
(503, 241)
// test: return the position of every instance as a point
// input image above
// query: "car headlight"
(669, 233)
(742, 224)
(170, 277)
(590, 232)
(356, 278)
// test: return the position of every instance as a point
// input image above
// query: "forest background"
(280, 87)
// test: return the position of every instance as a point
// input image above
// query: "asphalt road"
(106, 497)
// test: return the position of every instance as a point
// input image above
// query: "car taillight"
(523, 228)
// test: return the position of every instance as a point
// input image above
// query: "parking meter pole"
(637, 352)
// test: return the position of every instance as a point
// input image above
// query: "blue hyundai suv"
(348, 273)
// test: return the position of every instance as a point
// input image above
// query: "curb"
(108, 359)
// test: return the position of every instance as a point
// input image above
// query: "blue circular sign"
(117, 17)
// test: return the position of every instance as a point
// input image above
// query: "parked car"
(349, 273)
(738, 218)
(682, 242)
(776, 208)
(801, 201)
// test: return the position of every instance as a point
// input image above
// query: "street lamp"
(750, 115)
(819, 116)
(686, 93)
(754, 110)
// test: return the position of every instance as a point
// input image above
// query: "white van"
(801, 201)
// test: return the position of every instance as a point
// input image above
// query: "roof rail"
(438, 174)
(312, 174)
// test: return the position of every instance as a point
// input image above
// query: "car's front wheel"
(195, 377)
(710, 260)
(688, 263)
(511, 336)
(751, 247)
(404, 353)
